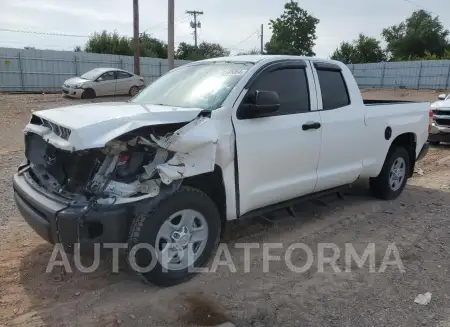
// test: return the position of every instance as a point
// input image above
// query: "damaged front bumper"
(57, 221)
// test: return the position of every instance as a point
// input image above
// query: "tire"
(147, 228)
(435, 142)
(88, 94)
(382, 186)
(133, 91)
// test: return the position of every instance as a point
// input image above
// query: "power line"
(79, 35)
(419, 6)
(41, 33)
(240, 42)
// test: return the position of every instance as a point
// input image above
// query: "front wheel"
(88, 94)
(391, 181)
(179, 234)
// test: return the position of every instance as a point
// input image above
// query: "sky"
(235, 24)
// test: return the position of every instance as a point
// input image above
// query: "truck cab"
(210, 142)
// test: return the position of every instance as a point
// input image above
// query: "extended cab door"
(277, 155)
(343, 130)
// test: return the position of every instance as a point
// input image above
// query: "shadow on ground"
(414, 222)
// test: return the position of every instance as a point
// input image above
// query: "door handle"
(308, 126)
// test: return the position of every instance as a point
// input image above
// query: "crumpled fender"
(195, 146)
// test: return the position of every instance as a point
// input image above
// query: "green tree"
(415, 36)
(293, 33)
(77, 49)
(111, 43)
(212, 50)
(254, 51)
(205, 50)
(151, 47)
(364, 49)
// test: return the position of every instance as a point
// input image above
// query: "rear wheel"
(88, 94)
(392, 179)
(178, 234)
(133, 91)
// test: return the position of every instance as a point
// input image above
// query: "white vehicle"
(102, 82)
(440, 130)
(210, 142)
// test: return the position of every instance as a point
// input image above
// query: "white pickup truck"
(210, 142)
(440, 126)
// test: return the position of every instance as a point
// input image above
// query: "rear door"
(343, 129)
(105, 84)
(278, 154)
(124, 82)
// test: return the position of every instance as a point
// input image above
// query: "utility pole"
(171, 35)
(195, 24)
(262, 38)
(137, 65)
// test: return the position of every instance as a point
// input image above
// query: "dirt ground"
(417, 223)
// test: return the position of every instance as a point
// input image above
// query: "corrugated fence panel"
(46, 70)
(425, 74)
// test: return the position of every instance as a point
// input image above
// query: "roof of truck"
(257, 58)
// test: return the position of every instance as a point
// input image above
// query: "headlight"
(78, 86)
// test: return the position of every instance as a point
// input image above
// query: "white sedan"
(102, 82)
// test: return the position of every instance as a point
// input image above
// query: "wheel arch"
(213, 186)
(407, 141)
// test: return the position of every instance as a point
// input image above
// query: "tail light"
(430, 120)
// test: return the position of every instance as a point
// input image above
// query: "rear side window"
(121, 74)
(291, 84)
(334, 90)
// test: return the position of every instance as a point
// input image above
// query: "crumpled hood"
(93, 125)
(75, 80)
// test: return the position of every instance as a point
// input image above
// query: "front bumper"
(57, 221)
(71, 92)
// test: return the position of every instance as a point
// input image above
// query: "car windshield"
(203, 85)
(92, 74)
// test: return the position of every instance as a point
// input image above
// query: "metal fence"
(426, 74)
(46, 70)
(26, 70)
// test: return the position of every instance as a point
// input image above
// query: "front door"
(105, 84)
(277, 156)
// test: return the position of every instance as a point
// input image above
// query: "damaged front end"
(132, 167)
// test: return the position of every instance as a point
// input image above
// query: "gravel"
(417, 223)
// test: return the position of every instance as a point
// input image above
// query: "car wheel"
(179, 233)
(88, 94)
(392, 179)
(133, 91)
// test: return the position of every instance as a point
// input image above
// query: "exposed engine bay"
(129, 168)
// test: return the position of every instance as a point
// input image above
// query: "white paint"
(93, 125)
(276, 159)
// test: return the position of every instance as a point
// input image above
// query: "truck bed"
(370, 102)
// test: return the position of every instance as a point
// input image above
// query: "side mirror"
(99, 79)
(442, 96)
(259, 104)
